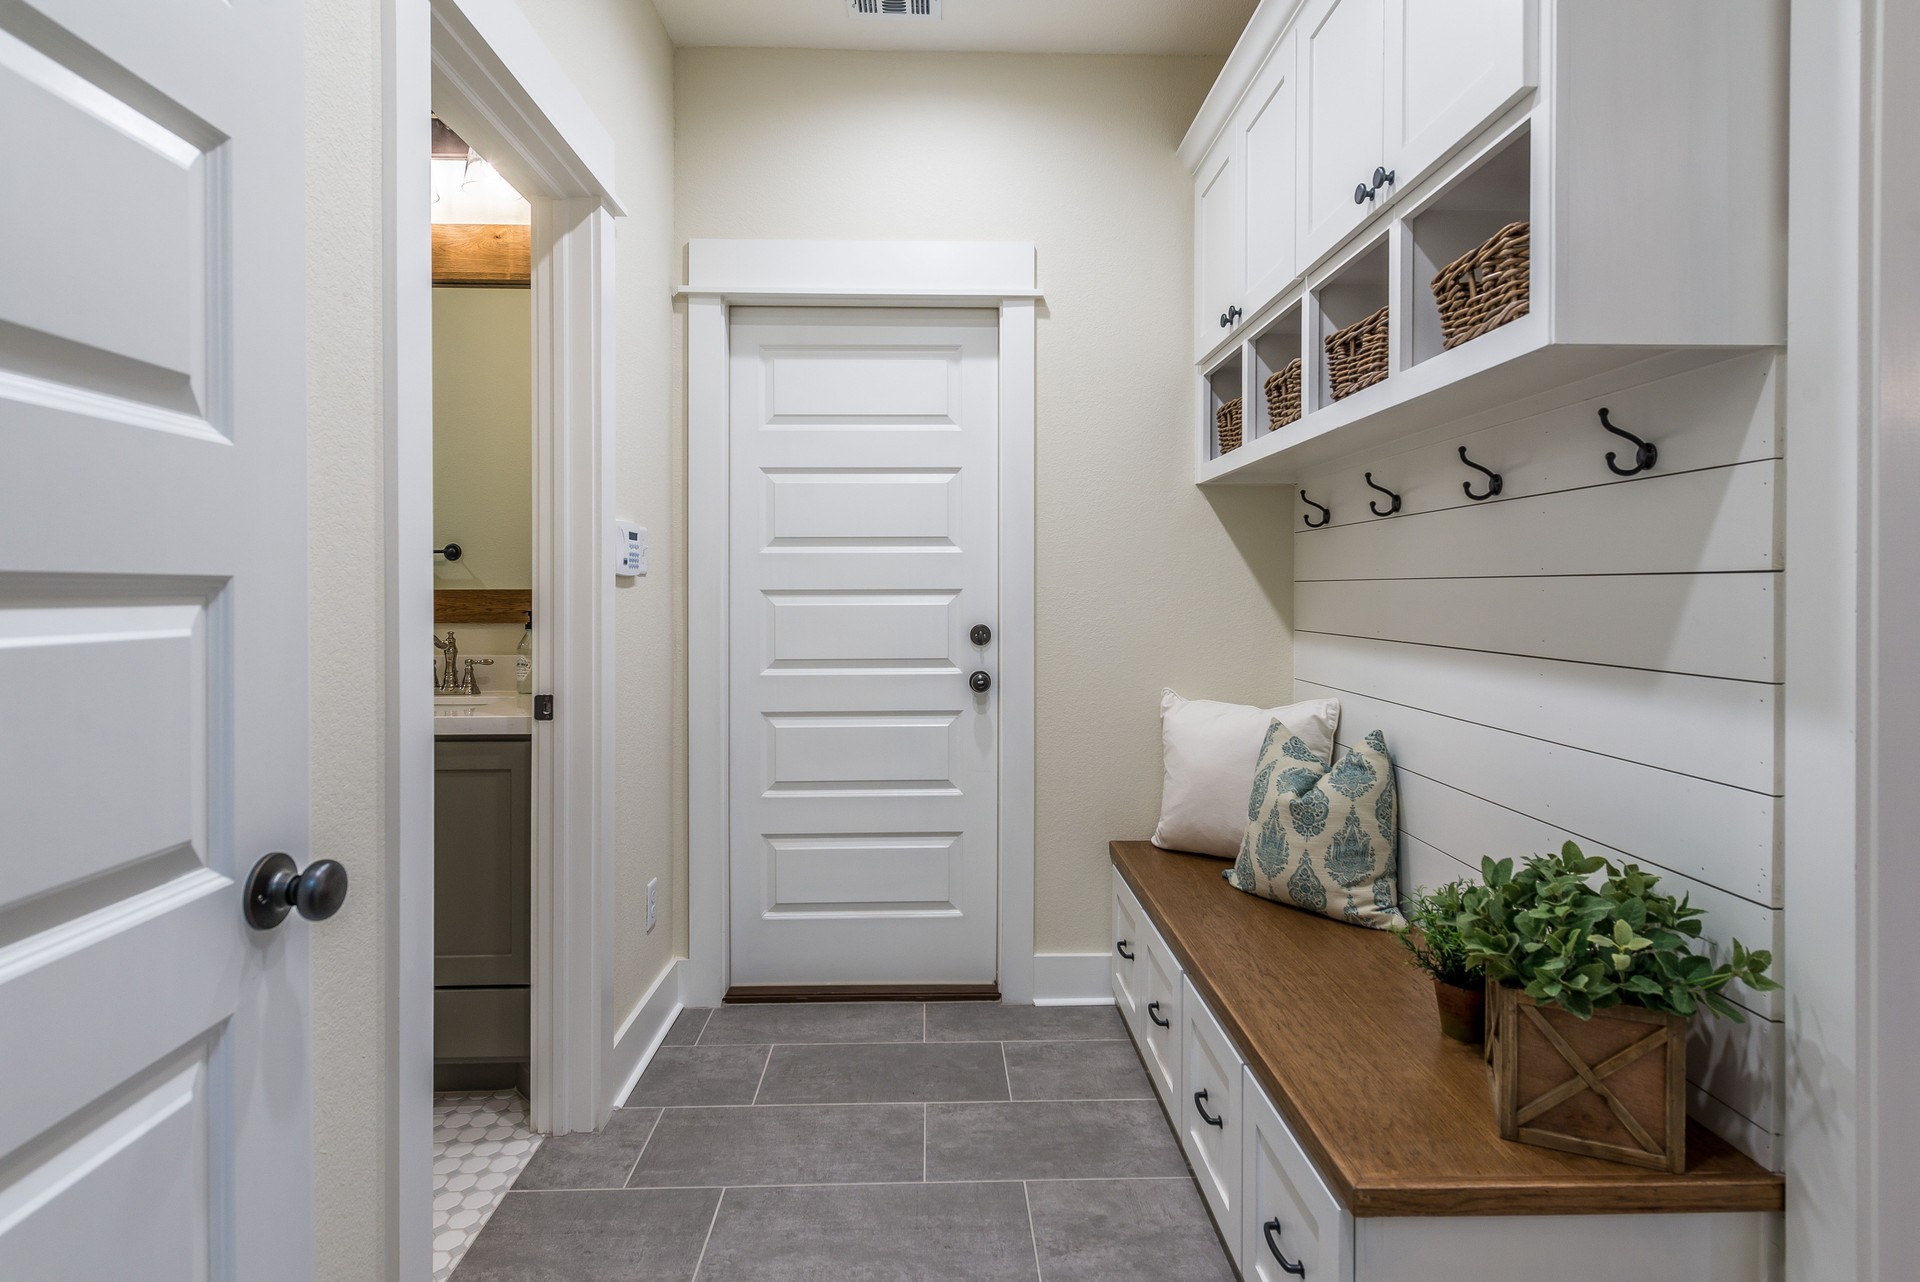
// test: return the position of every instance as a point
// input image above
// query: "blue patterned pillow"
(1324, 840)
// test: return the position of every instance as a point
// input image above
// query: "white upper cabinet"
(1343, 139)
(1268, 127)
(1220, 245)
(1452, 66)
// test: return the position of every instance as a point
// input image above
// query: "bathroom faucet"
(449, 681)
(471, 684)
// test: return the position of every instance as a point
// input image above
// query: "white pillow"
(1211, 751)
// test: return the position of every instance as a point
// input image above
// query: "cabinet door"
(1269, 128)
(1453, 65)
(1219, 242)
(482, 862)
(1343, 79)
(1210, 1120)
(1288, 1215)
(1129, 955)
(1160, 1044)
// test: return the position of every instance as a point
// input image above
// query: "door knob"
(276, 887)
(980, 682)
(981, 634)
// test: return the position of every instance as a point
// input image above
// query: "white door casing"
(863, 551)
(156, 1119)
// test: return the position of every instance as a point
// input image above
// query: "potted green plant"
(1593, 975)
(1432, 938)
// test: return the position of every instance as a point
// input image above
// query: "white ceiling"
(1009, 26)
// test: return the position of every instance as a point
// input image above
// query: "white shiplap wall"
(1585, 656)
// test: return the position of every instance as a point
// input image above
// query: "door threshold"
(743, 994)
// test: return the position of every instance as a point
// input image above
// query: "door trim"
(480, 65)
(722, 274)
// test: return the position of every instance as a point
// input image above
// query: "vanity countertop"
(483, 714)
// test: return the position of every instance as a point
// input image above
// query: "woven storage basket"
(1227, 423)
(1357, 355)
(1484, 288)
(1283, 395)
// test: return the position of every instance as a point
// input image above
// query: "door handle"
(1272, 1229)
(1200, 1102)
(276, 887)
(1152, 1007)
(980, 682)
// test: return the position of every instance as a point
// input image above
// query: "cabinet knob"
(1229, 316)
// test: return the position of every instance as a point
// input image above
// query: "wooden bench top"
(1341, 1032)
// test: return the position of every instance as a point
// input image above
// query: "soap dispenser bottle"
(523, 660)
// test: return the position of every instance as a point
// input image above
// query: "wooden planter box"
(1614, 1086)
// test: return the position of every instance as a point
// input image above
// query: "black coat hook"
(1645, 453)
(1375, 507)
(451, 551)
(1493, 479)
(1325, 513)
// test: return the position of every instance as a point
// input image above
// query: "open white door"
(155, 1119)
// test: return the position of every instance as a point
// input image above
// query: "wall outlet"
(653, 901)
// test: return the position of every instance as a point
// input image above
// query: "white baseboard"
(643, 1031)
(1071, 979)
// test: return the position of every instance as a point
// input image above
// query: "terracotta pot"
(1463, 1012)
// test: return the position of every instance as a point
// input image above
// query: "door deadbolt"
(981, 634)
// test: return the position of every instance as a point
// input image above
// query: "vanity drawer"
(1160, 1019)
(1129, 956)
(1288, 1212)
(1211, 1075)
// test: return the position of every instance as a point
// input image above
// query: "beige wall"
(1143, 580)
(346, 415)
(618, 56)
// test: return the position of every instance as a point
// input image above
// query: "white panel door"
(1220, 249)
(865, 517)
(1269, 126)
(155, 1115)
(1452, 66)
(1342, 67)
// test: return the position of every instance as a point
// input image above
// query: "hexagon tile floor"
(480, 1144)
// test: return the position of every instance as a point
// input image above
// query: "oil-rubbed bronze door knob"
(276, 887)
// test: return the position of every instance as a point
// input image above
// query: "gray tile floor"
(868, 1142)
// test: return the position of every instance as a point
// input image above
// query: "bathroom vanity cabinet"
(482, 914)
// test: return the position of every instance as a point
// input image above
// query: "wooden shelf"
(1341, 1033)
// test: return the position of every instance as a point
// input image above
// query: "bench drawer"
(1211, 1074)
(1129, 957)
(1160, 1021)
(1288, 1211)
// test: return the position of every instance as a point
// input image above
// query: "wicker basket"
(1357, 355)
(1484, 288)
(1283, 395)
(1227, 423)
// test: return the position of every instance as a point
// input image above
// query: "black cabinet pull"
(1272, 1229)
(1200, 1102)
(1151, 1008)
(1121, 948)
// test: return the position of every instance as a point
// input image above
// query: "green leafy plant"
(1432, 935)
(1547, 929)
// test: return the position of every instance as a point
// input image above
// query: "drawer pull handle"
(1272, 1229)
(1200, 1102)
(1152, 1007)
(1121, 948)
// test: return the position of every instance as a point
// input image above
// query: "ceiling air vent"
(893, 8)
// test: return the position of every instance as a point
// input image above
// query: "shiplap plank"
(1661, 523)
(1721, 836)
(1719, 730)
(1715, 625)
(1467, 828)
(1723, 413)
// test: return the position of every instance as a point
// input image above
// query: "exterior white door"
(155, 1114)
(864, 531)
